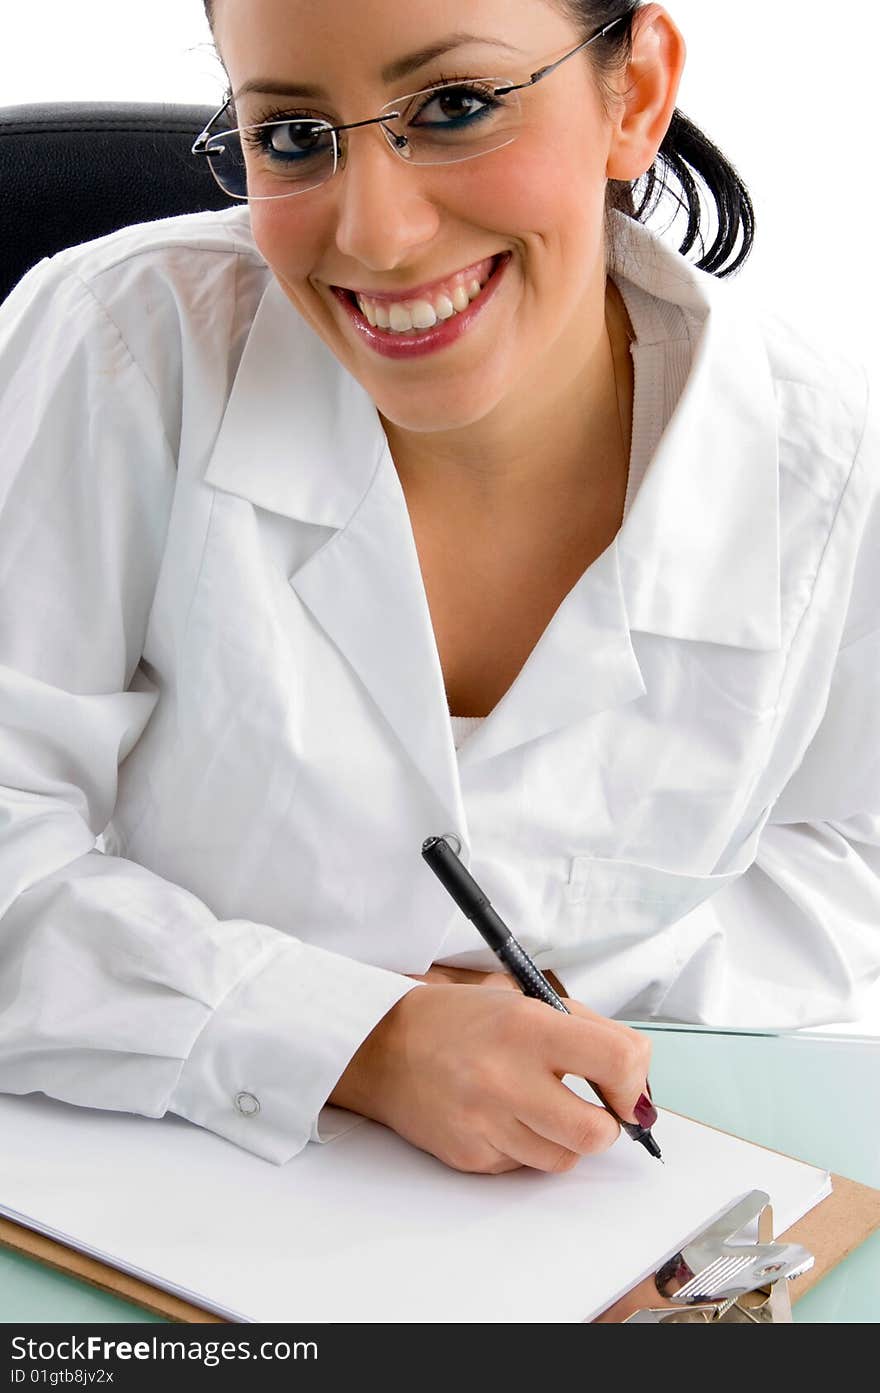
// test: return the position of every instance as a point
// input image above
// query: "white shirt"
(216, 651)
(463, 726)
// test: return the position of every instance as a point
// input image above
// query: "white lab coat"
(217, 652)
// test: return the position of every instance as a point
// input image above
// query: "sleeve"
(795, 941)
(119, 989)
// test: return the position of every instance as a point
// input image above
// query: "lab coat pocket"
(630, 900)
(620, 899)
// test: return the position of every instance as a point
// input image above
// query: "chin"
(435, 399)
(434, 413)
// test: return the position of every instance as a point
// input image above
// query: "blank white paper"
(366, 1227)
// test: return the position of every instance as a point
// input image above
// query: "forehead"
(325, 45)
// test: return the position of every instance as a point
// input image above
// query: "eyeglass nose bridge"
(398, 143)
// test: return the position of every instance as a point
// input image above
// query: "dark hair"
(685, 151)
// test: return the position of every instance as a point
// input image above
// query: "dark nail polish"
(646, 1113)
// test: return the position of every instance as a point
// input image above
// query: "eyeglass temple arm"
(551, 67)
(200, 141)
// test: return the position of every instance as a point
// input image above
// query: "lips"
(422, 342)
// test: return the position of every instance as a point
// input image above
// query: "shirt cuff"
(333, 1122)
(272, 1052)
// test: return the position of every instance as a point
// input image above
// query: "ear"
(647, 89)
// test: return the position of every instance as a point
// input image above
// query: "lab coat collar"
(300, 435)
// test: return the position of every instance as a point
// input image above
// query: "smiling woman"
(427, 491)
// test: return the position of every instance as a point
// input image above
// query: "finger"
(564, 1120)
(608, 1054)
(503, 1164)
(492, 1161)
(531, 1148)
(499, 981)
(462, 976)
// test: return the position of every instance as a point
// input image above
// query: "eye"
(457, 105)
(296, 138)
(288, 134)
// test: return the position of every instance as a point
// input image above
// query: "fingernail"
(645, 1112)
(648, 1087)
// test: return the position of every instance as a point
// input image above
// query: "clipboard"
(831, 1231)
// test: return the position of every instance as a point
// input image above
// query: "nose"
(383, 209)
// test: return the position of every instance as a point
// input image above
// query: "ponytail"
(685, 152)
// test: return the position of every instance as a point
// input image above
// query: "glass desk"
(814, 1097)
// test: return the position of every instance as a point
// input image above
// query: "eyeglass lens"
(441, 125)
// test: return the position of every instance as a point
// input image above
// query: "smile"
(421, 309)
(421, 322)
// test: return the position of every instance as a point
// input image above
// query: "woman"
(426, 491)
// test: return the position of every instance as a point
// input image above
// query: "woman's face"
(384, 226)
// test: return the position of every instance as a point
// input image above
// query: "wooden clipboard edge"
(30, 1244)
(834, 1229)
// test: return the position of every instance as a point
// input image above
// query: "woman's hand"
(475, 1077)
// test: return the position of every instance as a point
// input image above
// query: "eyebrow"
(392, 72)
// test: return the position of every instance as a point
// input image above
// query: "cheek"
(289, 237)
(537, 190)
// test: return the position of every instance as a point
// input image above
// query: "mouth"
(406, 327)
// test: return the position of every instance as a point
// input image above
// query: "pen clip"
(449, 838)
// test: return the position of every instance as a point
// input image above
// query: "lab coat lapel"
(365, 588)
(700, 548)
(301, 437)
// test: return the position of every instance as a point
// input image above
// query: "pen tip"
(650, 1145)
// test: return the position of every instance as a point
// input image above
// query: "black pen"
(476, 906)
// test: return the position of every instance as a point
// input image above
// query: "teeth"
(401, 319)
(423, 314)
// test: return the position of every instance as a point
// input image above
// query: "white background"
(788, 91)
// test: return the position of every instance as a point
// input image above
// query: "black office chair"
(71, 171)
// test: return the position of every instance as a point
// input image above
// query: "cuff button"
(247, 1104)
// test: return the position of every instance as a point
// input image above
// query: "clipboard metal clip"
(714, 1278)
